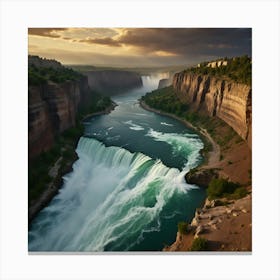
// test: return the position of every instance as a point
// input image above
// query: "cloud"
(156, 46)
(185, 41)
(102, 41)
(182, 41)
(95, 58)
(46, 32)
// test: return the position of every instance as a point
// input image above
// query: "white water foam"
(187, 145)
(111, 196)
(134, 126)
(167, 124)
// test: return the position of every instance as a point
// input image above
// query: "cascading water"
(126, 191)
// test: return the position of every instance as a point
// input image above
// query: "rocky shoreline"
(225, 227)
(216, 220)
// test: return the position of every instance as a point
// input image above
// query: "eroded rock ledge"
(225, 227)
(201, 176)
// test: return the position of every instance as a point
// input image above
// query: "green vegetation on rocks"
(238, 69)
(183, 227)
(38, 171)
(199, 244)
(165, 100)
(98, 103)
(219, 188)
(64, 148)
(40, 75)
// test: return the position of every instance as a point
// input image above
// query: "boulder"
(201, 176)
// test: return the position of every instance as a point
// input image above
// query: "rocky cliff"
(44, 62)
(113, 81)
(228, 100)
(52, 108)
(164, 83)
(56, 93)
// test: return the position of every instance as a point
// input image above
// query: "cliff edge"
(226, 99)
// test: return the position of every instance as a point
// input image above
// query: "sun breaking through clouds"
(132, 47)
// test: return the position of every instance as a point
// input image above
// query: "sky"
(138, 47)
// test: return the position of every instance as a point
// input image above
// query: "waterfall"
(111, 198)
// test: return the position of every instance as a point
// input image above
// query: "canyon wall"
(228, 100)
(52, 109)
(164, 83)
(53, 106)
(110, 82)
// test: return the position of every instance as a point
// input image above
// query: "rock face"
(226, 227)
(201, 177)
(164, 83)
(52, 109)
(230, 101)
(113, 81)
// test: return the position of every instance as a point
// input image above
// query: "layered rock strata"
(52, 109)
(228, 100)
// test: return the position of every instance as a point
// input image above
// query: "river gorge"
(127, 190)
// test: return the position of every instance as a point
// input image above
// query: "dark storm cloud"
(189, 42)
(45, 32)
(193, 41)
(185, 41)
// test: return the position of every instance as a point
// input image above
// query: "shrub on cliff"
(199, 244)
(239, 193)
(220, 188)
(182, 227)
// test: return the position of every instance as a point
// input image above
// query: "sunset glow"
(138, 46)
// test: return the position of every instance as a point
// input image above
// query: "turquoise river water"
(127, 190)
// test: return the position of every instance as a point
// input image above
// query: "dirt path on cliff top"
(213, 155)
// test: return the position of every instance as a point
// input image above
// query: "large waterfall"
(127, 190)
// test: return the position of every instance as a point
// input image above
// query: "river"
(127, 190)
